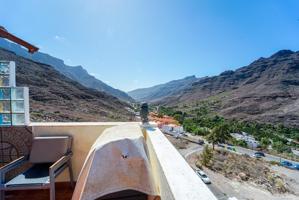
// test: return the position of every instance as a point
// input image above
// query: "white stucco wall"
(174, 178)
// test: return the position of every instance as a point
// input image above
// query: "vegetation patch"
(202, 119)
(242, 168)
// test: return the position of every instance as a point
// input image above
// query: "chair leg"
(71, 174)
(52, 193)
(52, 188)
(2, 195)
(2, 181)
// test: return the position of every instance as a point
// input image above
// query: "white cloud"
(59, 38)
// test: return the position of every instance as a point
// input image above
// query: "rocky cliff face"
(77, 73)
(267, 90)
(55, 97)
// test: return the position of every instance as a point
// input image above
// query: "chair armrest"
(6, 168)
(13, 164)
(59, 163)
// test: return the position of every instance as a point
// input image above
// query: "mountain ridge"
(77, 73)
(55, 97)
(266, 90)
(158, 92)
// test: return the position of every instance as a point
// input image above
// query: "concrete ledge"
(175, 178)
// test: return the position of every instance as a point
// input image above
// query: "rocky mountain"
(158, 92)
(55, 97)
(77, 73)
(267, 91)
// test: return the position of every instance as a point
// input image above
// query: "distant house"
(172, 129)
(250, 141)
(295, 151)
(178, 129)
(166, 128)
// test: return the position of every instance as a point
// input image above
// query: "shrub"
(202, 131)
(272, 162)
(206, 156)
(280, 186)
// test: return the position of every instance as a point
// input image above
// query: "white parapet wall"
(175, 178)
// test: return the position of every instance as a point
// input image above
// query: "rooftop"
(173, 180)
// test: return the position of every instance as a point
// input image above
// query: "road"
(268, 157)
(239, 150)
(192, 150)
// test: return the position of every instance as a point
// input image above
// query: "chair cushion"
(37, 175)
(49, 149)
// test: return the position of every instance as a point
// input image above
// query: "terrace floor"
(64, 192)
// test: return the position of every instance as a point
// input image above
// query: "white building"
(249, 139)
(296, 152)
(172, 129)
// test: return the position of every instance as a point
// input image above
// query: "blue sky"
(139, 43)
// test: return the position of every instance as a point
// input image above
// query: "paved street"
(267, 157)
(193, 149)
(240, 150)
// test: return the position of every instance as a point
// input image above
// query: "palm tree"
(219, 134)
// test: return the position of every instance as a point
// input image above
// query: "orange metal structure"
(5, 34)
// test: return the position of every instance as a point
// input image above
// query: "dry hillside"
(54, 97)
